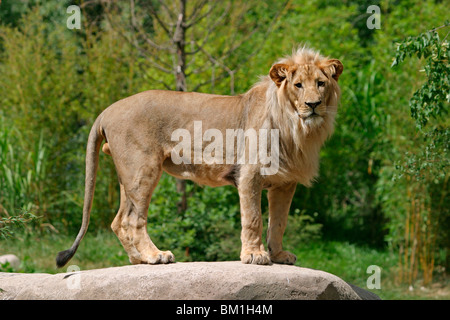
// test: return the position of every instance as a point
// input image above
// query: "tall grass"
(22, 177)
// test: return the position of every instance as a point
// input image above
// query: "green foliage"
(22, 175)
(430, 100)
(422, 171)
(301, 229)
(7, 225)
(54, 82)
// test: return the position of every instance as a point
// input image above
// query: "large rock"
(186, 281)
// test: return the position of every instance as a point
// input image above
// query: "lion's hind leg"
(120, 228)
(130, 224)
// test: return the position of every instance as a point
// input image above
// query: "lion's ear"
(334, 68)
(278, 73)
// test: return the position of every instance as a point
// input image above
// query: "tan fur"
(138, 132)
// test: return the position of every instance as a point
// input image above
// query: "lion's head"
(307, 86)
(302, 99)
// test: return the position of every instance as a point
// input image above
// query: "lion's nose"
(312, 105)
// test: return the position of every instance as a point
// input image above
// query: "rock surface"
(184, 281)
(11, 259)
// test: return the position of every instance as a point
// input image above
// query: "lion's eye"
(321, 84)
(298, 85)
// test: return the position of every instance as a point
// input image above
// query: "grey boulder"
(184, 281)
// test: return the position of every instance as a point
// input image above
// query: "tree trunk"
(179, 42)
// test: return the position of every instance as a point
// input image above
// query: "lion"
(298, 99)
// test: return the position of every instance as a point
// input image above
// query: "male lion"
(299, 98)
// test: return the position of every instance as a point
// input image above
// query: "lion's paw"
(284, 257)
(256, 257)
(158, 257)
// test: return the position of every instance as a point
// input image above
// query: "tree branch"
(195, 18)
(210, 29)
(215, 61)
(172, 15)
(143, 52)
(159, 20)
(139, 30)
(219, 61)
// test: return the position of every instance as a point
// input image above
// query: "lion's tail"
(92, 154)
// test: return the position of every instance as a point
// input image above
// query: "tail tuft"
(63, 257)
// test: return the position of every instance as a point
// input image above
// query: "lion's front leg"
(251, 220)
(280, 199)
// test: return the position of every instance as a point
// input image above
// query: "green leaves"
(22, 175)
(431, 100)
(423, 168)
(9, 224)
